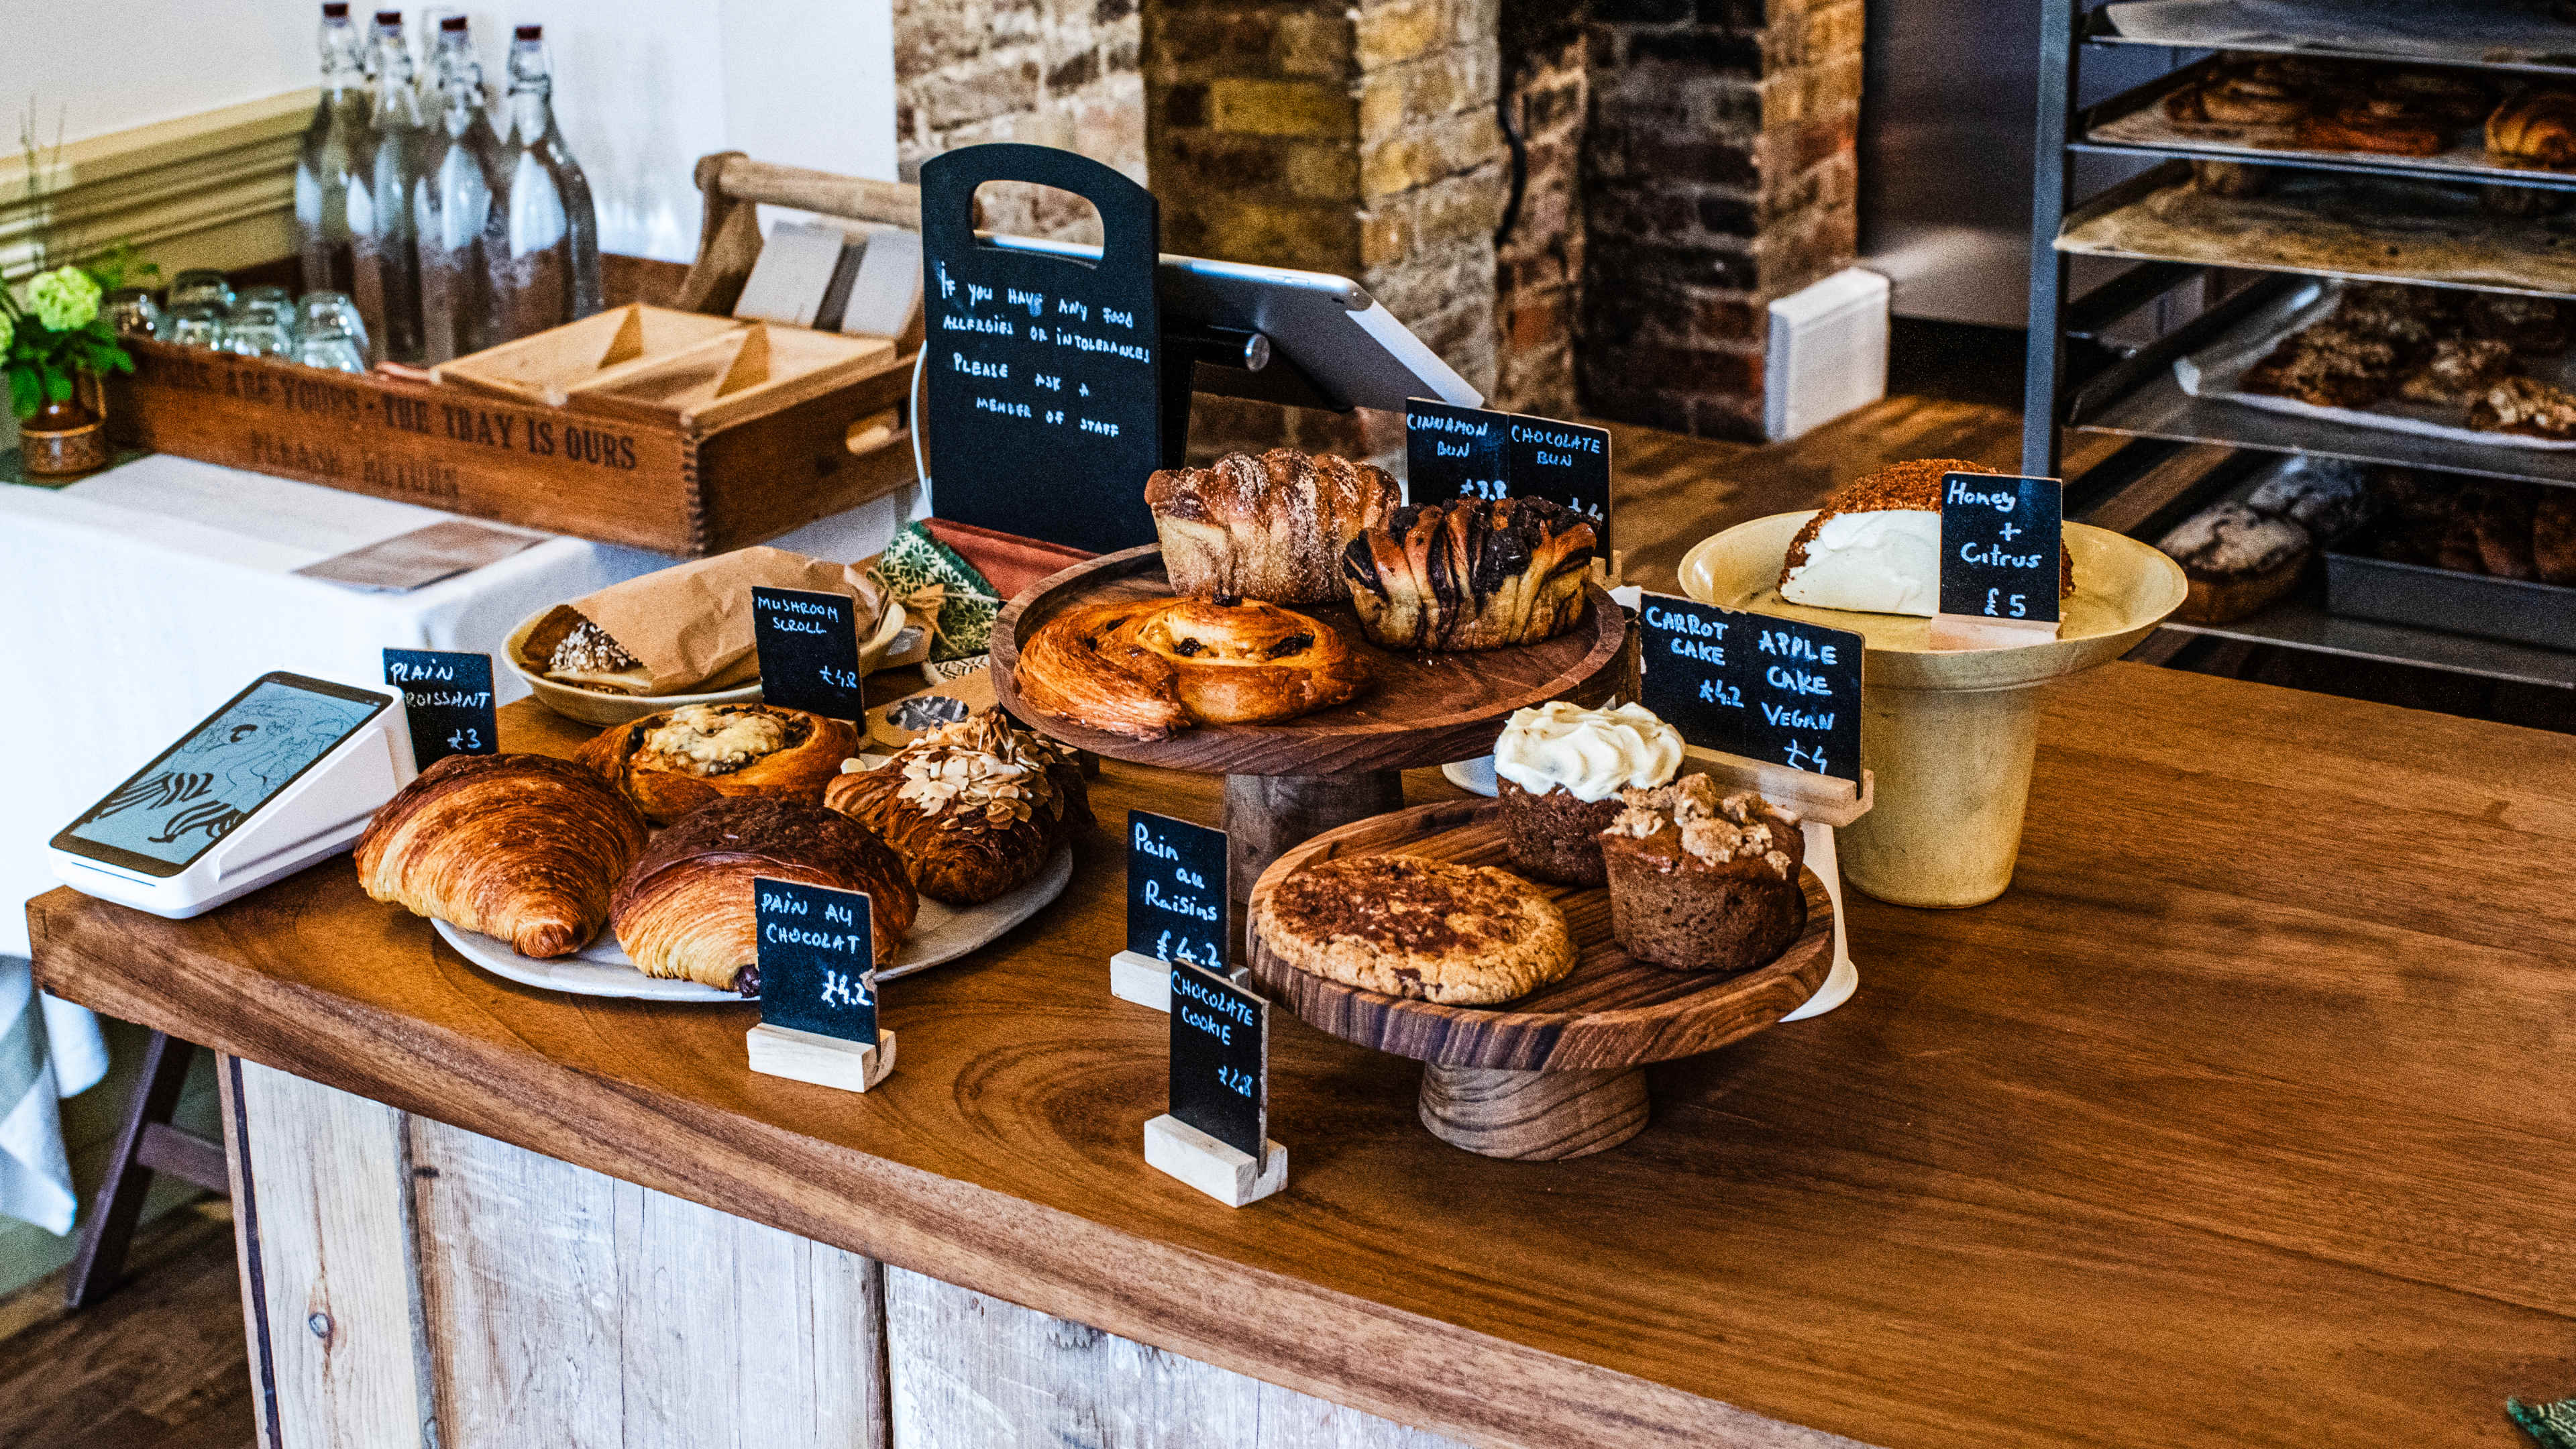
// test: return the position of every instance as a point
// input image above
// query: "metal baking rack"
(2080, 379)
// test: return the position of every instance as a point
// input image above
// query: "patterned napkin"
(2554, 1425)
(940, 590)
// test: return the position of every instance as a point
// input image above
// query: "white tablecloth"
(137, 601)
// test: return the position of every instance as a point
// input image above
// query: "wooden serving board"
(1613, 1012)
(1420, 709)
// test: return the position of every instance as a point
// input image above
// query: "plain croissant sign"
(447, 701)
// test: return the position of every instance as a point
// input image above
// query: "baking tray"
(2330, 224)
(2361, 587)
(2491, 34)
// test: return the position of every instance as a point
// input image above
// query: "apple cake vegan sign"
(1753, 685)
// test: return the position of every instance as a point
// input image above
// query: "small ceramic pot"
(62, 439)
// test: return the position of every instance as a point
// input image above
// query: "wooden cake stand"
(1559, 1072)
(1287, 782)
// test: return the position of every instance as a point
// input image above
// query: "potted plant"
(52, 339)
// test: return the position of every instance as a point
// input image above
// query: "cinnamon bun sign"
(1043, 371)
(1455, 452)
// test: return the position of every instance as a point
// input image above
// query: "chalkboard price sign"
(447, 701)
(817, 959)
(1753, 685)
(1221, 1059)
(1044, 386)
(1456, 452)
(2000, 539)
(809, 652)
(1176, 900)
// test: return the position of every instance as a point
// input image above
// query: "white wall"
(642, 87)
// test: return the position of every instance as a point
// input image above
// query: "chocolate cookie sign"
(1753, 685)
(2000, 544)
(1221, 1059)
(1458, 452)
(1176, 899)
(809, 652)
(817, 950)
(447, 702)
(1044, 406)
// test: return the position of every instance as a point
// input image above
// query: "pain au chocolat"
(1470, 574)
(685, 908)
(1270, 527)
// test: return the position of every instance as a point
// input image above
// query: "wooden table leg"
(1267, 815)
(145, 1145)
(1543, 1116)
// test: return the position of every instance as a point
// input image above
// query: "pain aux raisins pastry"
(1148, 668)
(1271, 527)
(1875, 547)
(1430, 930)
(1703, 881)
(974, 808)
(672, 762)
(1470, 574)
(1558, 770)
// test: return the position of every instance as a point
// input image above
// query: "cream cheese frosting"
(1592, 754)
(1885, 561)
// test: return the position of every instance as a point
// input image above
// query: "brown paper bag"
(690, 626)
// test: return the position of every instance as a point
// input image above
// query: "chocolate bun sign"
(1753, 685)
(1044, 408)
(1457, 452)
(2000, 539)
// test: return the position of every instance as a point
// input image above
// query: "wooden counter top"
(2248, 1116)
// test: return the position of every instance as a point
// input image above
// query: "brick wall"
(1719, 175)
(1052, 72)
(1348, 136)
(1538, 263)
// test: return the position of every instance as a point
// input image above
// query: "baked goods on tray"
(2329, 366)
(1470, 574)
(684, 629)
(1875, 547)
(685, 909)
(1558, 770)
(1271, 527)
(1429, 930)
(2391, 125)
(525, 848)
(2526, 406)
(1701, 880)
(2257, 93)
(1147, 668)
(2235, 561)
(973, 808)
(2536, 129)
(2456, 371)
(672, 762)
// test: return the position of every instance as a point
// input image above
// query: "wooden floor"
(159, 1366)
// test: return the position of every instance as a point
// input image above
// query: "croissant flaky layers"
(1270, 527)
(686, 908)
(1470, 574)
(1146, 668)
(523, 847)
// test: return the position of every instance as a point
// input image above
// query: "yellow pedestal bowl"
(1949, 734)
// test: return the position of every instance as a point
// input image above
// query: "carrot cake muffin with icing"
(1559, 768)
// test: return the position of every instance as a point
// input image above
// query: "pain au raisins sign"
(1043, 367)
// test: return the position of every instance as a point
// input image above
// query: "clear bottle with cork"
(453, 204)
(545, 249)
(388, 251)
(334, 166)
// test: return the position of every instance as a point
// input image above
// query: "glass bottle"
(334, 165)
(388, 252)
(545, 250)
(453, 204)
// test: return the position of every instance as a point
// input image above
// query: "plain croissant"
(522, 847)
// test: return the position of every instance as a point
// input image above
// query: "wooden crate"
(682, 433)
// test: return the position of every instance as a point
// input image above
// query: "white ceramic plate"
(939, 934)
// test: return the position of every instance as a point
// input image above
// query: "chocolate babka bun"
(1470, 574)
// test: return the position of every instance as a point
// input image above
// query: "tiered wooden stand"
(1559, 1072)
(1287, 783)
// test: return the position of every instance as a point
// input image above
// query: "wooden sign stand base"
(1225, 1173)
(1954, 632)
(1823, 803)
(1147, 980)
(825, 1061)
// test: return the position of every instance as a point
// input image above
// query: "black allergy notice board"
(1045, 389)
(1753, 685)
